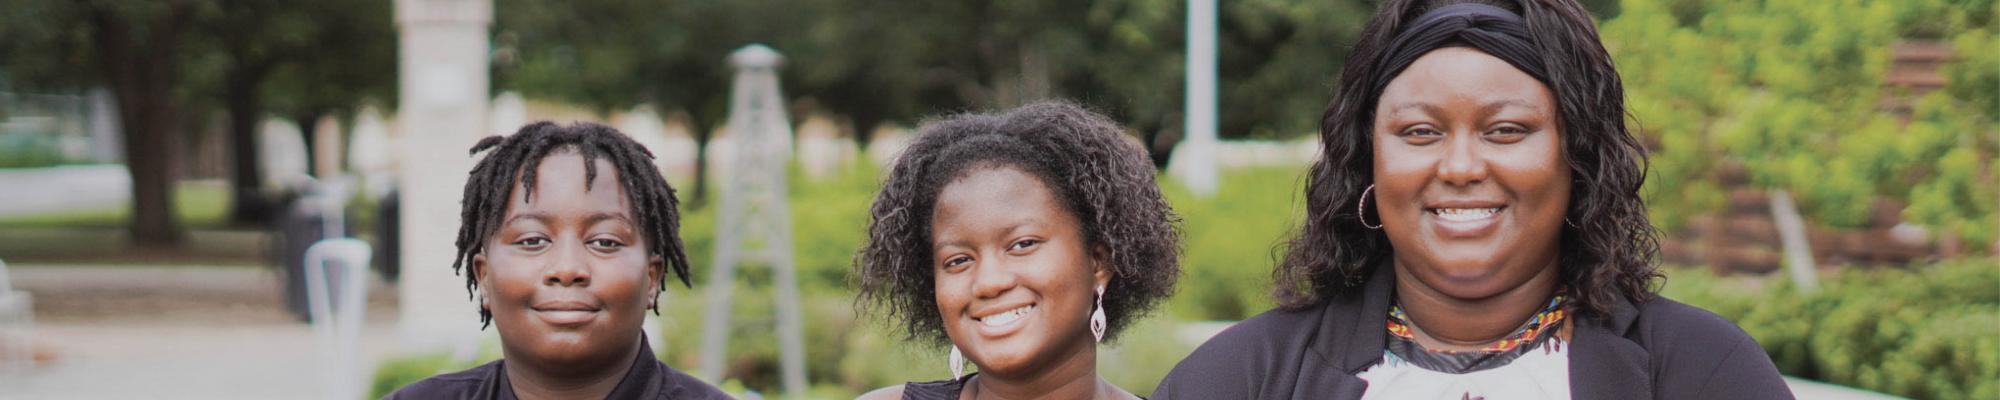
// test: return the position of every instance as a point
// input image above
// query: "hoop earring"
(1361, 208)
(957, 360)
(1097, 324)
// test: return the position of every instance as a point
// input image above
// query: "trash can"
(301, 225)
(388, 236)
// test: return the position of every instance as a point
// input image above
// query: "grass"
(99, 236)
(197, 205)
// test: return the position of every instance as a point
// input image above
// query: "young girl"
(568, 234)
(1022, 240)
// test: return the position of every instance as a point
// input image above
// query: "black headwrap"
(1493, 30)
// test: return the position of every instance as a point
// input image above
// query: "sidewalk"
(123, 332)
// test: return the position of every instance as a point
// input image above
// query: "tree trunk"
(248, 204)
(308, 122)
(1792, 233)
(149, 122)
(141, 76)
(699, 197)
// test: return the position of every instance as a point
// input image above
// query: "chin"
(1006, 359)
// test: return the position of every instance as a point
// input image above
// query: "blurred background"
(1822, 171)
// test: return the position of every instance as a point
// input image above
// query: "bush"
(1928, 331)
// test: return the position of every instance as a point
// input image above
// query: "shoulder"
(886, 393)
(1696, 350)
(1672, 325)
(1237, 360)
(461, 384)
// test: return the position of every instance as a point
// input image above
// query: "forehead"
(1457, 74)
(560, 187)
(997, 197)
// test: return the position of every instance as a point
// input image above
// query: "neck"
(1444, 322)
(1074, 378)
(593, 379)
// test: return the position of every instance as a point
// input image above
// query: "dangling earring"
(1361, 208)
(1097, 324)
(957, 361)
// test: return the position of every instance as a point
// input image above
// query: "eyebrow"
(537, 217)
(597, 217)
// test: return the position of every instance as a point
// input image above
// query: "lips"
(566, 312)
(1462, 219)
(1002, 320)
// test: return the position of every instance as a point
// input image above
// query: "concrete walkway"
(119, 332)
(35, 191)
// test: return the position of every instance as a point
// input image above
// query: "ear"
(1100, 263)
(484, 280)
(656, 267)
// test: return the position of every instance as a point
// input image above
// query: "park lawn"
(197, 205)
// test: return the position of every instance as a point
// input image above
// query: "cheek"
(950, 292)
(1398, 177)
(1538, 173)
(508, 277)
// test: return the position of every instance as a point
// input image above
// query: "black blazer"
(1661, 350)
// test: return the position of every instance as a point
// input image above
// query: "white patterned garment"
(1541, 372)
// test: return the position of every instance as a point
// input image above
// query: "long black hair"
(1607, 255)
(1099, 177)
(513, 159)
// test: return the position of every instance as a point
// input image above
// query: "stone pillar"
(443, 111)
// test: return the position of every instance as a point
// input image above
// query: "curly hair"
(1100, 178)
(512, 160)
(1608, 255)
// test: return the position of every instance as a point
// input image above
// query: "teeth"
(1464, 214)
(1008, 316)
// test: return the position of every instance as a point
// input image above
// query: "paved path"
(176, 332)
(32, 191)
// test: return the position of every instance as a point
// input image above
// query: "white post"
(1194, 159)
(1792, 234)
(443, 111)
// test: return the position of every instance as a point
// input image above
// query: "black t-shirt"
(648, 379)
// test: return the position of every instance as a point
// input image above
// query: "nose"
(991, 277)
(567, 268)
(1462, 164)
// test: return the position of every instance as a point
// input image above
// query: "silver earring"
(1361, 208)
(957, 360)
(1097, 323)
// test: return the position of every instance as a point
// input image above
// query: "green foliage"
(1764, 86)
(398, 372)
(28, 150)
(1232, 242)
(1929, 331)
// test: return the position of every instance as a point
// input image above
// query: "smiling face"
(1015, 276)
(567, 276)
(1470, 178)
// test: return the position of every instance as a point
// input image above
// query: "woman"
(568, 237)
(1022, 240)
(1475, 230)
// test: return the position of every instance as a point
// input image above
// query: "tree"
(135, 49)
(299, 59)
